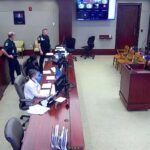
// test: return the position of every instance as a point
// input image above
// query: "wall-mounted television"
(95, 9)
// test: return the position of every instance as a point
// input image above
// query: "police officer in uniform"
(44, 46)
(10, 48)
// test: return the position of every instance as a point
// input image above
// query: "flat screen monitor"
(60, 83)
(95, 9)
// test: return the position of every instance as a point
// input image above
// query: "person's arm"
(36, 92)
(6, 54)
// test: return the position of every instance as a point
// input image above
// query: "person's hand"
(41, 52)
(11, 56)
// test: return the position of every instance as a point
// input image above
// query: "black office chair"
(23, 67)
(69, 43)
(88, 50)
(14, 133)
(23, 103)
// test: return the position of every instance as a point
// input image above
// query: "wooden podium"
(135, 87)
(4, 75)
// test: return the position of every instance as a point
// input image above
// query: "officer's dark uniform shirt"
(44, 41)
(10, 47)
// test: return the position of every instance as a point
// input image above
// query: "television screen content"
(95, 9)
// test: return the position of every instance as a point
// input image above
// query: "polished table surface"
(38, 133)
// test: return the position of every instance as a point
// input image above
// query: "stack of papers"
(46, 72)
(50, 78)
(45, 93)
(60, 99)
(53, 69)
(46, 85)
(53, 90)
(37, 109)
(49, 54)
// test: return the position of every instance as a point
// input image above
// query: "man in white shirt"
(32, 87)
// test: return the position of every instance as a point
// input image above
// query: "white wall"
(83, 29)
(44, 14)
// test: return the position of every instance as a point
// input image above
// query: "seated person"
(32, 63)
(32, 87)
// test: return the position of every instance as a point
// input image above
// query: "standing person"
(10, 48)
(44, 46)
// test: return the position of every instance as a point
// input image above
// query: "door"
(128, 22)
(148, 38)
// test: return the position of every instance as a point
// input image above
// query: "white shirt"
(32, 89)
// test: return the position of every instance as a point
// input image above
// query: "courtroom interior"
(74, 74)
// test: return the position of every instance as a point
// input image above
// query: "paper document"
(37, 109)
(46, 85)
(44, 103)
(46, 72)
(49, 54)
(45, 93)
(60, 99)
(53, 69)
(53, 91)
(50, 78)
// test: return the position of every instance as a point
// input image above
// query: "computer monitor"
(59, 60)
(58, 73)
(49, 101)
(60, 84)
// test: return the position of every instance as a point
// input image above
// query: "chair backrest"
(36, 45)
(19, 43)
(90, 42)
(70, 42)
(19, 86)
(23, 67)
(14, 133)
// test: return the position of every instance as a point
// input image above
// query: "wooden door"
(128, 22)
(148, 38)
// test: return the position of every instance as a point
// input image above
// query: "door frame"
(148, 36)
(139, 19)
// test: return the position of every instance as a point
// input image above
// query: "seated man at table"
(32, 87)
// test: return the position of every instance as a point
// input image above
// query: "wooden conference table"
(38, 133)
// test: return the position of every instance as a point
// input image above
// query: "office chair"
(14, 133)
(88, 50)
(23, 67)
(69, 43)
(23, 103)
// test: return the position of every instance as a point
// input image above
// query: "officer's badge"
(6, 44)
(42, 39)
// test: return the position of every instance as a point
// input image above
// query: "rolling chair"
(14, 133)
(23, 103)
(88, 50)
(69, 43)
(23, 67)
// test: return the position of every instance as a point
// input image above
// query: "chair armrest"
(25, 100)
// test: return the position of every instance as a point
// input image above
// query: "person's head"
(32, 74)
(33, 59)
(45, 31)
(11, 35)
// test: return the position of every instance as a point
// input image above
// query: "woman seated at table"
(32, 63)
(32, 87)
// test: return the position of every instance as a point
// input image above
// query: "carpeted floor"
(107, 124)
